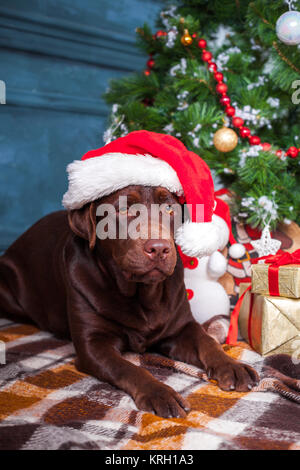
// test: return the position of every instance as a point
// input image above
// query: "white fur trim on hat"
(224, 230)
(100, 176)
(199, 239)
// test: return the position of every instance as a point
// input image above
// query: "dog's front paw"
(233, 375)
(162, 400)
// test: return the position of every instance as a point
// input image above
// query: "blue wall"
(56, 58)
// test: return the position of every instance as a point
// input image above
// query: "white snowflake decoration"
(169, 128)
(221, 37)
(260, 82)
(223, 58)
(170, 12)
(182, 103)
(252, 152)
(269, 207)
(265, 208)
(171, 37)
(273, 102)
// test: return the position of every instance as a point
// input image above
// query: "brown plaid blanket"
(45, 403)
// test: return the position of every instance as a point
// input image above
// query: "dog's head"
(135, 228)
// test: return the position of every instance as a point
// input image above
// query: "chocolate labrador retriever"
(111, 296)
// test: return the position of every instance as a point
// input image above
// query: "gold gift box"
(275, 323)
(288, 278)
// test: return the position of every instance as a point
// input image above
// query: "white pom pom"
(217, 265)
(237, 250)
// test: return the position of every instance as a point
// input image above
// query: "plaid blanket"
(45, 403)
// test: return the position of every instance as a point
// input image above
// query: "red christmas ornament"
(147, 72)
(238, 122)
(194, 35)
(254, 140)
(230, 111)
(245, 132)
(219, 77)
(222, 88)
(293, 152)
(151, 63)
(206, 56)
(266, 146)
(225, 101)
(160, 33)
(212, 67)
(202, 43)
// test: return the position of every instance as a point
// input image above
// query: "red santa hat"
(151, 159)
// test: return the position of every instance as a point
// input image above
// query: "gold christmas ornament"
(225, 140)
(186, 39)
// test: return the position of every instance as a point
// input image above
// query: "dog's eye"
(169, 209)
(123, 210)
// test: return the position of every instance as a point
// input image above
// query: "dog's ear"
(83, 223)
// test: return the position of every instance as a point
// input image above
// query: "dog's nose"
(157, 248)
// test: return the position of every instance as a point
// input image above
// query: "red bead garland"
(202, 43)
(266, 146)
(219, 77)
(225, 100)
(254, 140)
(245, 132)
(238, 122)
(222, 88)
(230, 111)
(212, 67)
(206, 56)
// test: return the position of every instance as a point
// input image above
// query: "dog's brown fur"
(110, 296)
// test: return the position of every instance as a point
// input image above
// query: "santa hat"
(151, 159)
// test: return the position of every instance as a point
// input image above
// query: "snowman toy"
(206, 295)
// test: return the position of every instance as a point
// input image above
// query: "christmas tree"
(223, 79)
